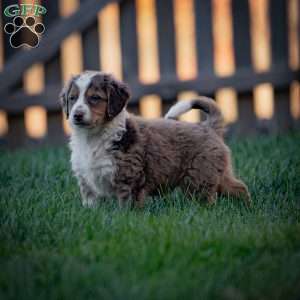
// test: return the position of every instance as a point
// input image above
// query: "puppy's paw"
(89, 203)
(211, 200)
(126, 204)
(247, 199)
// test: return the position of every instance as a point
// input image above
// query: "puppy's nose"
(78, 116)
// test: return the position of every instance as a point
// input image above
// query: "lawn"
(52, 248)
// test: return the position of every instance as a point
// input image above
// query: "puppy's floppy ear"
(117, 94)
(63, 96)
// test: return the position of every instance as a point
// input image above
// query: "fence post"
(53, 77)
(204, 36)
(90, 43)
(129, 40)
(91, 46)
(166, 48)
(204, 39)
(280, 56)
(16, 135)
(129, 48)
(242, 53)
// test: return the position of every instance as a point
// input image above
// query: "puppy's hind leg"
(234, 187)
(200, 189)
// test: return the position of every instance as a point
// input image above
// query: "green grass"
(52, 248)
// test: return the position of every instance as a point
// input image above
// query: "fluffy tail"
(208, 105)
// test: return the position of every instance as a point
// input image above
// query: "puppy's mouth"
(81, 124)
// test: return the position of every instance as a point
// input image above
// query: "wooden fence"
(281, 74)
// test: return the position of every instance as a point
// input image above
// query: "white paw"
(90, 203)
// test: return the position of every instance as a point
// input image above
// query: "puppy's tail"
(208, 105)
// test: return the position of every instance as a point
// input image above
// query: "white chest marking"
(92, 162)
(92, 159)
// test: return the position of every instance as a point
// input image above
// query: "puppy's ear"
(63, 97)
(117, 94)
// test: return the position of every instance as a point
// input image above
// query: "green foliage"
(52, 248)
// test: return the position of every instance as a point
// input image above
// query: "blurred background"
(244, 53)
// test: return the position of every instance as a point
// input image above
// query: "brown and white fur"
(119, 155)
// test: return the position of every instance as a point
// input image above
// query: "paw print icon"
(24, 32)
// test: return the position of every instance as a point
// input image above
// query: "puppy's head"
(93, 98)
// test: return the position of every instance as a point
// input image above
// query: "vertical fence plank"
(16, 129)
(9, 51)
(242, 53)
(90, 46)
(90, 43)
(166, 39)
(204, 39)
(17, 136)
(280, 59)
(279, 32)
(241, 29)
(129, 47)
(53, 66)
(53, 76)
(166, 48)
(282, 114)
(204, 36)
(297, 122)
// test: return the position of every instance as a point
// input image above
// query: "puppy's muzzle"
(78, 117)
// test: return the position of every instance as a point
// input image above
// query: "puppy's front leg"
(124, 195)
(140, 198)
(89, 197)
(127, 198)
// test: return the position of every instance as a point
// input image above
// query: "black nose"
(78, 116)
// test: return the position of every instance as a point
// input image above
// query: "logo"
(24, 30)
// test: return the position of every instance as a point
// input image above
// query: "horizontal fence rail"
(164, 48)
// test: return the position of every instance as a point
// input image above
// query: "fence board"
(242, 54)
(166, 48)
(9, 51)
(242, 81)
(279, 30)
(246, 105)
(52, 66)
(53, 76)
(90, 43)
(18, 101)
(282, 115)
(204, 36)
(166, 38)
(241, 33)
(16, 135)
(280, 56)
(129, 40)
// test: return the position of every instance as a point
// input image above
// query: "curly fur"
(115, 154)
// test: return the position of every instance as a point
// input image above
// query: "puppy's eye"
(94, 98)
(72, 98)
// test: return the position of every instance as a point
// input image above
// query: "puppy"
(115, 154)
